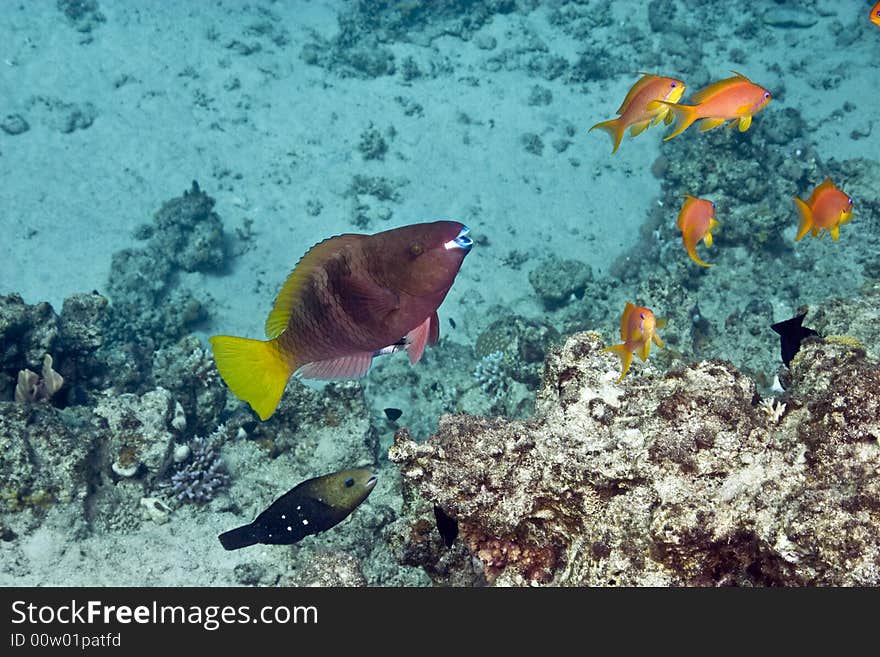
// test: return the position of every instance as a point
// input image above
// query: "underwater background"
(164, 166)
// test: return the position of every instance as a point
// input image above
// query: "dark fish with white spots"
(311, 507)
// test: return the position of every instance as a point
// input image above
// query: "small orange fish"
(640, 108)
(875, 14)
(696, 222)
(735, 99)
(826, 209)
(637, 329)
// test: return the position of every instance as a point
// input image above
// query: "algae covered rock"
(684, 479)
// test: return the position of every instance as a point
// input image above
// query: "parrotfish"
(735, 99)
(311, 507)
(638, 328)
(350, 298)
(826, 209)
(875, 14)
(696, 220)
(641, 108)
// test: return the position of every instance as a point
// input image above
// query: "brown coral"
(31, 387)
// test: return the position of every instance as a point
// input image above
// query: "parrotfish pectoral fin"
(254, 370)
(419, 337)
(745, 122)
(685, 114)
(350, 366)
(835, 232)
(625, 358)
(615, 128)
(367, 302)
(240, 537)
(806, 214)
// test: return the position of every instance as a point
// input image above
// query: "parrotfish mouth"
(371, 482)
(460, 242)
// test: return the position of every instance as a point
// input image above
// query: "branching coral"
(32, 387)
(204, 475)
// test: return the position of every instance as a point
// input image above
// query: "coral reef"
(32, 387)
(675, 479)
(202, 475)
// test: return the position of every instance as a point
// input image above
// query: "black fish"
(448, 527)
(311, 507)
(452, 322)
(393, 414)
(791, 334)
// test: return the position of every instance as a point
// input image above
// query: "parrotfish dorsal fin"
(291, 291)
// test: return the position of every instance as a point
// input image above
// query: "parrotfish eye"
(416, 249)
(349, 482)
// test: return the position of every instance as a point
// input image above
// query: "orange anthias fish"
(696, 222)
(350, 298)
(641, 108)
(826, 209)
(875, 14)
(637, 330)
(735, 99)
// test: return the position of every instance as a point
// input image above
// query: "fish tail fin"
(685, 115)
(625, 358)
(806, 218)
(239, 537)
(254, 370)
(613, 127)
(692, 252)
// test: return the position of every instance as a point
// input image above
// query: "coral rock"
(675, 480)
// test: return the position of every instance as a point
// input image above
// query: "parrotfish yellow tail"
(255, 370)
(806, 218)
(626, 358)
(615, 128)
(685, 115)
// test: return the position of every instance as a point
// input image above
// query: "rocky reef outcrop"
(688, 478)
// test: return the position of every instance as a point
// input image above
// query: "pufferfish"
(350, 298)
(638, 328)
(641, 109)
(311, 507)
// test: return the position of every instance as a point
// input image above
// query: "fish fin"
(434, 332)
(707, 239)
(846, 217)
(638, 128)
(366, 302)
(254, 370)
(625, 358)
(624, 319)
(710, 124)
(657, 340)
(822, 187)
(685, 114)
(291, 290)
(240, 537)
(417, 339)
(645, 350)
(350, 366)
(668, 118)
(715, 87)
(635, 89)
(835, 232)
(745, 122)
(692, 252)
(615, 128)
(806, 214)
